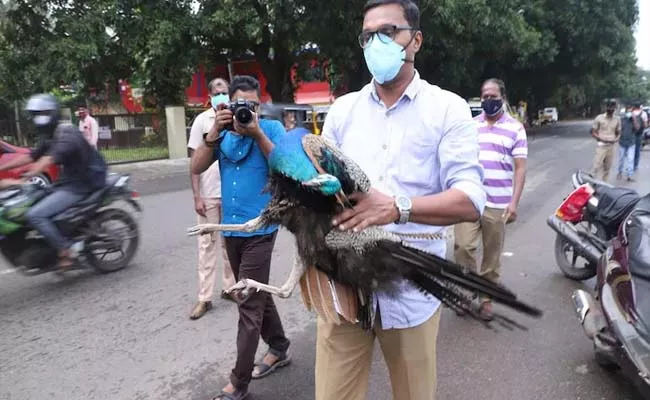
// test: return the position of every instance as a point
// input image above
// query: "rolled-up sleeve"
(459, 154)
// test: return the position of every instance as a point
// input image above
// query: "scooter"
(585, 221)
(617, 319)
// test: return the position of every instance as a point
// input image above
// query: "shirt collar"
(503, 118)
(411, 90)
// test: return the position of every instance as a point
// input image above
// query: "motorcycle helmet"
(44, 113)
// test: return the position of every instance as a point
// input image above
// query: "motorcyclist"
(83, 171)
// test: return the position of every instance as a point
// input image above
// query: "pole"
(19, 134)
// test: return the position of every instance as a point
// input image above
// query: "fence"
(132, 137)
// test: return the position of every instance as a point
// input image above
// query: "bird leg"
(284, 291)
(202, 229)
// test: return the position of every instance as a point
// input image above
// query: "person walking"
(503, 154)
(206, 189)
(606, 129)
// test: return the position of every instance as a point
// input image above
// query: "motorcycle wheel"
(567, 267)
(97, 260)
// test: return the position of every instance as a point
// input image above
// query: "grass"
(132, 154)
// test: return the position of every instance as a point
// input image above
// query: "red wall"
(307, 92)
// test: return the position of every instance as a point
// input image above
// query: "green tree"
(271, 31)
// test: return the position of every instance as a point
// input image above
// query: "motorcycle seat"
(637, 231)
(93, 198)
(614, 204)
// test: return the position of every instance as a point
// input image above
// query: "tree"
(271, 31)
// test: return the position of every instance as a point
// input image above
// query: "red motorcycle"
(617, 319)
(586, 221)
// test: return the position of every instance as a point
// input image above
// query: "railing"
(132, 137)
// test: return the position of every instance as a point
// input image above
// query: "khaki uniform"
(608, 128)
(210, 192)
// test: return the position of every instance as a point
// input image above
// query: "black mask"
(492, 106)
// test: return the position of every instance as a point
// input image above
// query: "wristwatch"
(403, 205)
(209, 143)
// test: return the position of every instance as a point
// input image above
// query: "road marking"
(508, 254)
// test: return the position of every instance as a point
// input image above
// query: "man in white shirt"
(88, 126)
(419, 147)
(207, 203)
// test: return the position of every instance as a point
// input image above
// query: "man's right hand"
(224, 117)
(199, 206)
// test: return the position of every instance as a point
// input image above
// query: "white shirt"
(210, 180)
(90, 129)
(424, 144)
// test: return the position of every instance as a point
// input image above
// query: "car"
(547, 115)
(9, 152)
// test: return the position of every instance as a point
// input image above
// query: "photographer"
(242, 157)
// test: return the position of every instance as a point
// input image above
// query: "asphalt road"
(127, 335)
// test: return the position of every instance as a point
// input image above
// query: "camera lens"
(243, 115)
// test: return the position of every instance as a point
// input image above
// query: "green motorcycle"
(98, 227)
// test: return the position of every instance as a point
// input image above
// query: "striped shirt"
(500, 144)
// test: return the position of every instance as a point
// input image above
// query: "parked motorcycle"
(617, 320)
(585, 222)
(93, 224)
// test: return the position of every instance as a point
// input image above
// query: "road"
(127, 335)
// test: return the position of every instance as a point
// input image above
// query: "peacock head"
(327, 184)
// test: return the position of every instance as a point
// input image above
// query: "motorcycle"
(87, 223)
(617, 320)
(586, 221)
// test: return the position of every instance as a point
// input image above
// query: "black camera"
(242, 110)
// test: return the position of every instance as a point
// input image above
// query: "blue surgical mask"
(218, 99)
(492, 106)
(384, 60)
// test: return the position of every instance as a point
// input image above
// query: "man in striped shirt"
(503, 154)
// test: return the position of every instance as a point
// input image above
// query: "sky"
(643, 35)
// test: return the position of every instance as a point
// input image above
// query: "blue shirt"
(244, 174)
(424, 144)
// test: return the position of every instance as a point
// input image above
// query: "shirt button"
(381, 178)
(237, 168)
(233, 215)
(234, 183)
(240, 153)
(385, 147)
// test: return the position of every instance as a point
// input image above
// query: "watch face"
(403, 202)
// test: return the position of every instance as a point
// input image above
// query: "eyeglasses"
(385, 33)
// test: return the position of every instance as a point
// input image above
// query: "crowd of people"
(432, 166)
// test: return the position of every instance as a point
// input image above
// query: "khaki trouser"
(492, 230)
(209, 251)
(603, 161)
(344, 356)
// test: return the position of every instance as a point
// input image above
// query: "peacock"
(338, 271)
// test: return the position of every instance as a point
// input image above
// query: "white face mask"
(41, 120)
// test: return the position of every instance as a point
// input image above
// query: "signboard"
(105, 133)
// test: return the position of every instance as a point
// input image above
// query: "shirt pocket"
(418, 159)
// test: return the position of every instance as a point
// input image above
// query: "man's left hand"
(371, 209)
(510, 213)
(251, 129)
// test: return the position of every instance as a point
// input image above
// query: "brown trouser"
(603, 161)
(491, 228)
(209, 252)
(344, 356)
(250, 257)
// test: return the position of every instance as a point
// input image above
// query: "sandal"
(236, 395)
(263, 369)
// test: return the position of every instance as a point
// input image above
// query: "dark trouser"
(250, 257)
(39, 216)
(637, 151)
